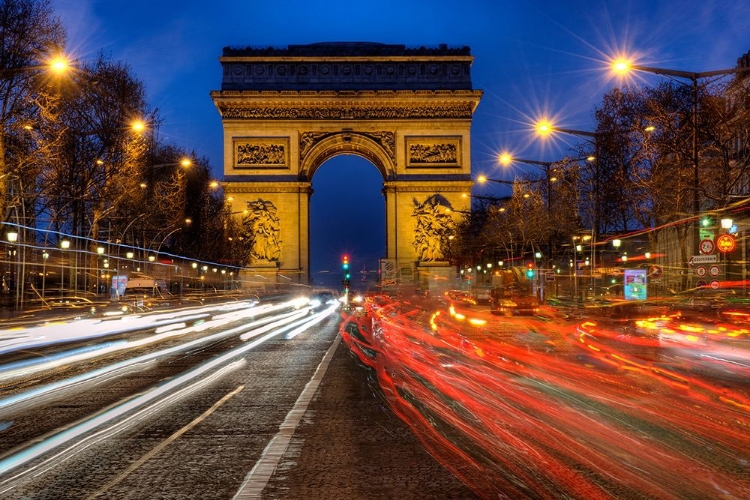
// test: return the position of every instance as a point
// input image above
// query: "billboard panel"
(635, 284)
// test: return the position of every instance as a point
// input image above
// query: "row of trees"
(640, 174)
(72, 159)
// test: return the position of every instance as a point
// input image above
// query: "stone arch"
(355, 143)
(285, 111)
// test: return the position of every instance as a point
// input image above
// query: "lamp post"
(12, 237)
(57, 65)
(64, 245)
(623, 66)
(576, 248)
(547, 169)
(45, 256)
(99, 253)
(726, 225)
(545, 128)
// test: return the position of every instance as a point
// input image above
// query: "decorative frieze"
(433, 151)
(261, 152)
(344, 111)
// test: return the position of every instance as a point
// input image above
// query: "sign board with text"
(703, 259)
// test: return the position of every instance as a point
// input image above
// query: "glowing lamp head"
(59, 64)
(481, 179)
(138, 126)
(621, 66)
(544, 128)
(506, 159)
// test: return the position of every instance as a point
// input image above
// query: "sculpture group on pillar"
(433, 228)
(264, 226)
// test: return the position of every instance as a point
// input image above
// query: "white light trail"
(76, 431)
(45, 389)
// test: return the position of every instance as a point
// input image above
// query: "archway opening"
(347, 217)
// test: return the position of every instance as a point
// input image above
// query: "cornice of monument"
(386, 94)
(346, 104)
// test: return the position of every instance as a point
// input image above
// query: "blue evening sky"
(532, 57)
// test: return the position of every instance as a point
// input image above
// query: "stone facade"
(280, 127)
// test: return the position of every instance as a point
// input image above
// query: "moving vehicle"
(323, 299)
(481, 294)
(513, 293)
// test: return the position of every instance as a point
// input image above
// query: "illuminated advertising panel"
(635, 284)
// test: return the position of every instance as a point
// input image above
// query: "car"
(322, 300)
(481, 294)
(461, 297)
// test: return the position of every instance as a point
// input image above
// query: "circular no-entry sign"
(700, 271)
(714, 270)
(714, 285)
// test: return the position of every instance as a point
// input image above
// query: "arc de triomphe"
(285, 111)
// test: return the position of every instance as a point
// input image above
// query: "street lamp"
(45, 256)
(99, 253)
(12, 237)
(623, 66)
(545, 128)
(65, 245)
(55, 64)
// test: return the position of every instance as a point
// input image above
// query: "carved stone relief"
(255, 152)
(262, 227)
(387, 140)
(433, 229)
(433, 151)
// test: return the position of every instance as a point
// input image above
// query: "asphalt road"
(276, 422)
(351, 446)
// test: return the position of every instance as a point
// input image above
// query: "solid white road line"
(257, 479)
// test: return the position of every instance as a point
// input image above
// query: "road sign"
(700, 271)
(655, 271)
(714, 285)
(703, 259)
(725, 243)
(700, 284)
(714, 270)
(706, 247)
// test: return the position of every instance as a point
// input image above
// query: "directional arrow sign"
(703, 259)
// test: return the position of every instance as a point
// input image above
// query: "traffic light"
(347, 275)
(530, 271)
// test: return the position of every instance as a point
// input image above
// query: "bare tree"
(29, 37)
